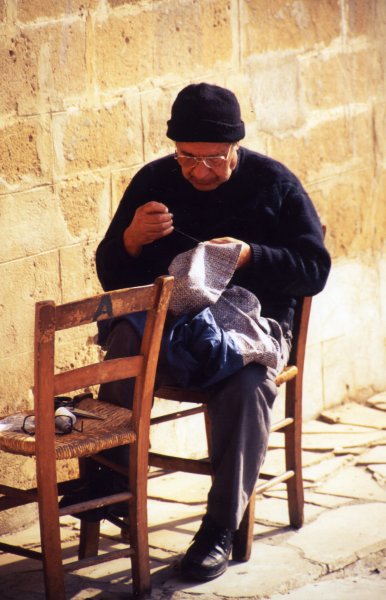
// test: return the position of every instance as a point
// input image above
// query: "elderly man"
(213, 189)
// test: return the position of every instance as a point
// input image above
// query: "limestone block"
(325, 469)
(78, 272)
(346, 320)
(156, 107)
(30, 11)
(324, 500)
(313, 400)
(123, 49)
(42, 66)
(275, 94)
(18, 469)
(31, 222)
(29, 280)
(378, 215)
(22, 163)
(239, 82)
(18, 67)
(106, 136)
(379, 473)
(16, 381)
(173, 37)
(115, 3)
(353, 366)
(356, 414)
(351, 212)
(354, 482)
(375, 456)
(2, 10)
(366, 18)
(282, 25)
(327, 148)
(367, 78)
(347, 435)
(84, 203)
(377, 401)
(380, 130)
(119, 181)
(348, 442)
(187, 488)
(342, 79)
(23, 516)
(349, 588)
(270, 569)
(344, 307)
(76, 347)
(212, 26)
(326, 80)
(198, 36)
(186, 437)
(59, 50)
(172, 525)
(382, 293)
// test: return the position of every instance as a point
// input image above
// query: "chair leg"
(293, 454)
(138, 526)
(89, 532)
(50, 536)
(89, 539)
(295, 484)
(243, 538)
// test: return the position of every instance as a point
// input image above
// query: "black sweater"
(262, 204)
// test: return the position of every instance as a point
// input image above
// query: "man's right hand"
(150, 222)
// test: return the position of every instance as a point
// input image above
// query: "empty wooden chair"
(116, 426)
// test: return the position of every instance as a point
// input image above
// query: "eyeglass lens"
(63, 425)
(211, 162)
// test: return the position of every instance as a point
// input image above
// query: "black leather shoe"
(207, 557)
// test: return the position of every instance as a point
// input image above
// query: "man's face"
(203, 177)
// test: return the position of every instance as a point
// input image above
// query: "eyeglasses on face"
(211, 162)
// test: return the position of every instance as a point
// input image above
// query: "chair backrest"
(300, 329)
(50, 318)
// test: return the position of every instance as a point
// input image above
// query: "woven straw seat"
(118, 426)
(115, 430)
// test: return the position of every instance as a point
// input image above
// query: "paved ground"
(339, 554)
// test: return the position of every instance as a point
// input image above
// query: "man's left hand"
(245, 252)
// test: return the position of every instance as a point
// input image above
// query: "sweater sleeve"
(115, 267)
(297, 263)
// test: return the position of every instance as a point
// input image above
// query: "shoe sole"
(191, 573)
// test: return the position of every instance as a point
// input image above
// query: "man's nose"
(200, 169)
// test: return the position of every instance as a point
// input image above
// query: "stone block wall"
(85, 92)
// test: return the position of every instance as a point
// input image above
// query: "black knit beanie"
(205, 113)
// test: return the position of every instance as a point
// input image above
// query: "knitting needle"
(187, 236)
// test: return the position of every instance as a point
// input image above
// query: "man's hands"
(151, 222)
(245, 252)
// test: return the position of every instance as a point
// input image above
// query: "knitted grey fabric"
(201, 275)
(201, 279)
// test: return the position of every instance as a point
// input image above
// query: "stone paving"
(339, 554)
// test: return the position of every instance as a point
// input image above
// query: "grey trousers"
(239, 412)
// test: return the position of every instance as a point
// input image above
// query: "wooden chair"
(290, 426)
(119, 426)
